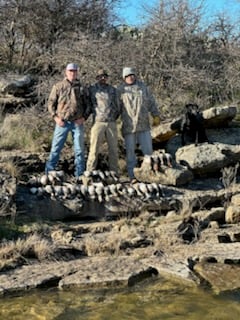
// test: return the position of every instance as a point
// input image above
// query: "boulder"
(213, 118)
(160, 168)
(16, 91)
(208, 158)
(219, 116)
(229, 136)
(166, 130)
(235, 200)
(219, 276)
(16, 85)
(177, 176)
(232, 214)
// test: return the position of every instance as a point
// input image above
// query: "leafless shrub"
(181, 58)
(229, 175)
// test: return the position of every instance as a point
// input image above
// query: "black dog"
(192, 126)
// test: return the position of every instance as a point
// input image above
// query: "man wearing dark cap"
(105, 113)
(135, 103)
(67, 105)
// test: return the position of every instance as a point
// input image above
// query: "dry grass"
(187, 208)
(229, 175)
(17, 252)
(26, 131)
(111, 241)
(95, 245)
(10, 168)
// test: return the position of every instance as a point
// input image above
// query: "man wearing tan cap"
(68, 107)
(135, 103)
(105, 113)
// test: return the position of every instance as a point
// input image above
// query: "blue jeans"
(144, 139)
(59, 138)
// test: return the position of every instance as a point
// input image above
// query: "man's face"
(102, 79)
(71, 75)
(130, 79)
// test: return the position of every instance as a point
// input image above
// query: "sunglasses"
(102, 76)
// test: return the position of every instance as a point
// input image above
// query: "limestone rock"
(221, 277)
(216, 214)
(229, 136)
(232, 214)
(219, 116)
(207, 158)
(165, 130)
(16, 85)
(160, 168)
(235, 200)
(179, 175)
(16, 91)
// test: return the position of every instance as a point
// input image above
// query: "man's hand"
(59, 121)
(156, 121)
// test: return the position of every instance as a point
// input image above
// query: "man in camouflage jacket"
(135, 103)
(68, 107)
(105, 112)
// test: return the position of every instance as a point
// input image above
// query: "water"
(151, 301)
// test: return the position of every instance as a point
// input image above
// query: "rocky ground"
(97, 244)
(180, 221)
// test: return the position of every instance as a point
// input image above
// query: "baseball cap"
(127, 71)
(102, 72)
(72, 66)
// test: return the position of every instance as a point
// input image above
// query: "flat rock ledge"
(216, 266)
(95, 272)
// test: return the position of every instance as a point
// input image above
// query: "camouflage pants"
(99, 132)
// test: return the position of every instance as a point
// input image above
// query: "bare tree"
(181, 55)
(186, 60)
(34, 28)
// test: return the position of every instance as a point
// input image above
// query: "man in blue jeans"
(68, 107)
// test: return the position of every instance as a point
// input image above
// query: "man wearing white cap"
(68, 107)
(135, 104)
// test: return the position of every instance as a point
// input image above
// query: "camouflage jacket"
(135, 104)
(68, 100)
(104, 105)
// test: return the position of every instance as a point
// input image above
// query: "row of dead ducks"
(58, 177)
(94, 191)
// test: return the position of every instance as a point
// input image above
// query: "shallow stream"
(157, 300)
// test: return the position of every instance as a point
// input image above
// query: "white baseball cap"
(127, 71)
(72, 66)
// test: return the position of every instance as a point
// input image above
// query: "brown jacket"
(68, 100)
